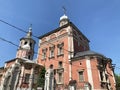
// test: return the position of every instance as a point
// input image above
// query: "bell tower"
(26, 46)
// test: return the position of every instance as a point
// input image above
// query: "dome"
(63, 17)
(63, 20)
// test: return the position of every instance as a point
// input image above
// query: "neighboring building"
(21, 73)
(66, 51)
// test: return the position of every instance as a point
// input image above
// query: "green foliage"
(41, 78)
(117, 78)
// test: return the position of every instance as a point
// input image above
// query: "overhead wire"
(46, 56)
(24, 32)
(27, 32)
(34, 52)
(16, 27)
(8, 41)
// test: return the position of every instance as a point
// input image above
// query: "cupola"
(64, 19)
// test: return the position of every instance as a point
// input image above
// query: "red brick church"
(66, 50)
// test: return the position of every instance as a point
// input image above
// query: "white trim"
(113, 79)
(89, 73)
(70, 48)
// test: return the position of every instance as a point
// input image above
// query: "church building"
(21, 73)
(66, 51)
(66, 55)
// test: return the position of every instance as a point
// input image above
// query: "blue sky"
(99, 20)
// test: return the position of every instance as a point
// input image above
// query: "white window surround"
(60, 48)
(44, 53)
(51, 50)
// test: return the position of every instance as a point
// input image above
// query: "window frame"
(60, 64)
(60, 48)
(44, 53)
(81, 76)
(52, 51)
(26, 79)
(60, 78)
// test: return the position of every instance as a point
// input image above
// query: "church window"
(51, 66)
(52, 48)
(29, 56)
(80, 63)
(60, 78)
(60, 48)
(44, 55)
(30, 44)
(25, 43)
(27, 76)
(44, 52)
(81, 78)
(60, 64)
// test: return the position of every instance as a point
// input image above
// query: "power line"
(35, 52)
(18, 46)
(24, 32)
(42, 55)
(13, 26)
(16, 27)
(8, 41)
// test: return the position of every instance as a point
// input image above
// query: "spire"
(29, 34)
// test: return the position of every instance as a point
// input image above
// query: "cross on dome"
(30, 28)
(64, 19)
(64, 10)
(29, 34)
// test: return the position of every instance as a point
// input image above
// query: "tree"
(117, 78)
(41, 78)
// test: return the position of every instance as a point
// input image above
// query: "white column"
(70, 48)
(113, 78)
(49, 80)
(104, 79)
(89, 72)
(21, 77)
(31, 79)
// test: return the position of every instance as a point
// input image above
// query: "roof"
(87, 53)
(23, 38)
(59, 28)
(11, 60)
(25, 61)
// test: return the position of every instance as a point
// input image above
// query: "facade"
(66, 51)
(21, 73)
(69, 62)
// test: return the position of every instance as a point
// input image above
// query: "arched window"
(31, 44)
(25, 43)
(60, 64)
(29, 56)
(51, 66)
